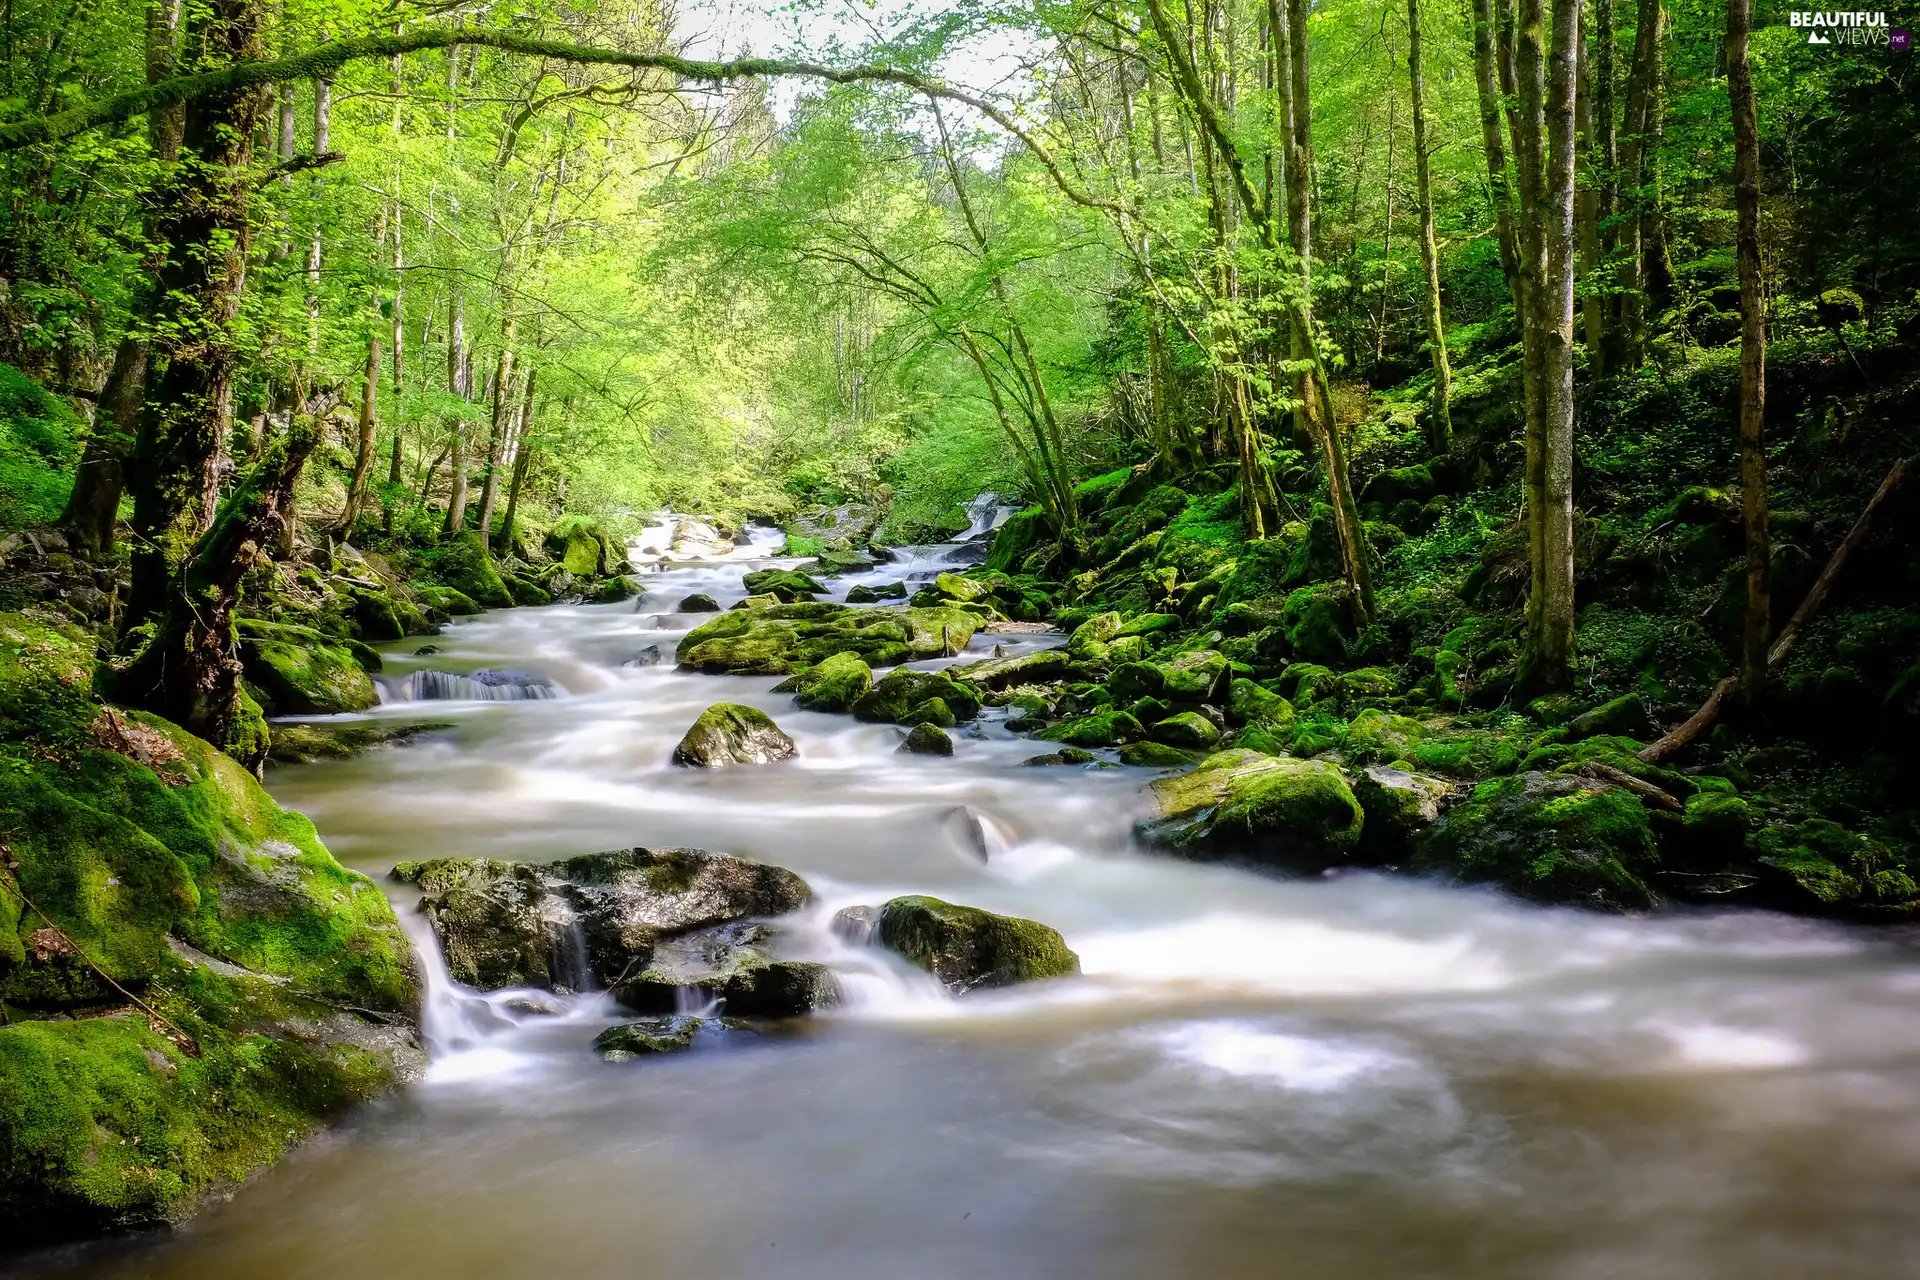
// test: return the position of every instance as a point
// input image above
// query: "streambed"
(1348, 1077)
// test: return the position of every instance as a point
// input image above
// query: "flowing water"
(1349, 1077)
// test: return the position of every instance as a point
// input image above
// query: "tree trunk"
(204, 216)
(1605, 177)
(363, 457)
(1587, 214)
(459, 380)
(1547, 199)
(1499, 190)
(1643, 109)
(1440, 426)
(100, 479)
(503, 390)
(522, 454)
(1753, 349)
(188, 671)
(94, 504)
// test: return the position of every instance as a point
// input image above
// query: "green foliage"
(39, 446)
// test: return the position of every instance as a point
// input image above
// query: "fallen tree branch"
(1647, 791)
(1703, 719)
(299, 164)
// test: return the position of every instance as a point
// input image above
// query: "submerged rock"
(1274, 809)
(861, 593)
(728, 734)
(967, 948)
(1065, 755)
(672, 1033)
(306, 743)
(699, 602)
(730, 968)
(927, 739)
(586, 920)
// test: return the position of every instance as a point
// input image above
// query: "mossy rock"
(165, 863)
(1017, 536)
(527, 592)
(1090, 638)
(784, 584)
(1148, 624)
(1820, 866)
(1400, 806)
(1001, 673)
(834, 685)
(448, 601)
(969, 949)
(1187, 729)
(1378, 736)
(902, 695)
(1250, 703)
(728, 733)
(464, 564)
(1625, 716)
(649, 1037)
(776, 639)
(928, 738)
(1549, 838)
(954, 586)
(297, 671)
(1278, 810)
(1305, 683)
(1105, 728)
(1319, 624)
(615, 589)
(1154, 755)
(861, 593)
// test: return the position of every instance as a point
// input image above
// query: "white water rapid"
(1349, 1077)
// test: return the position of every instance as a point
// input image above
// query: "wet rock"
(1003, 673)
(784, 584)
(306, 743)
(834, 685)
(1155, 755)
(699, 602)
(1399, 805)
(713, 967)
(297, 671)
(671, 1033)
(615, 589)
(728, 733)
(1273, 809)
(1104, 728)
(1188, 729)
(651, 656)
(585, 921)
(861, 593)
(903, 697)
(1249, 703)
(1065, 755)
(1090, 639)
(927, 739)
(954, 586)
(969, 949)
(776, 639)
(1547, 837)
(855, 925)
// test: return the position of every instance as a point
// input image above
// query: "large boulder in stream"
(1279, 810)
(778, 639)
(1549, 837)
(834, 685)
(727, 733)
(294, 670)
(588, 920)
(969, 949)
(904, 696)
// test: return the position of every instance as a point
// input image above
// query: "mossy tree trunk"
(503, 399)
(365, 429)
(1440, 428)
(1753, 350)
(1546, 83)
(1636, 164)
(205, 204)
(1499, 189)
(187, 669)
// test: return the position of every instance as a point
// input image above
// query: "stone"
(698, 602)
(1187, 729)
(900, 696)
(1154, 755)
(861, 593)
(1548, 837)
(969, 949)
(1090, 638)
(785, 584)
(927, 739)
(295, 670)
(669, 1033)
(1249, 703)
(1273, 809)
(651, 656)
(833, 685)
(728, 733)
(1001, 673)
(955, 587)
(588, 919)
(1104, 728)
(1065, 755)
(1626, 716)
(1399, 807)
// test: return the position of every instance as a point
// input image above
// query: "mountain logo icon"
(1815, 37)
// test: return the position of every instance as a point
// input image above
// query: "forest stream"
(1356, 1076)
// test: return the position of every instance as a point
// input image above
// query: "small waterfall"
(568, 961)
(483, 685)
(986, 513)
